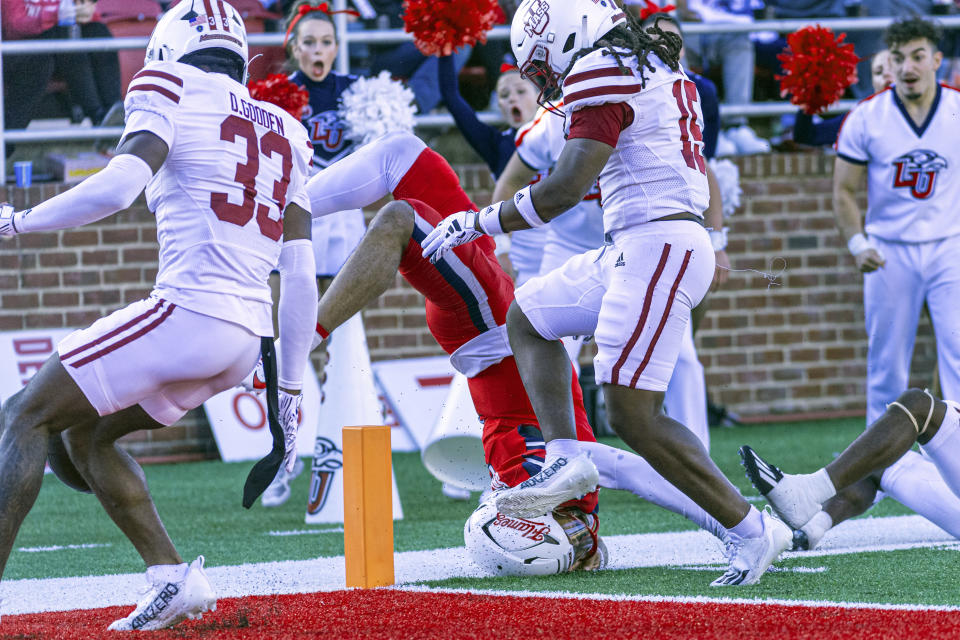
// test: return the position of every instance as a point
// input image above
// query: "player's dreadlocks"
(638, 42)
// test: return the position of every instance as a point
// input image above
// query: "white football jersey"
(657, 168)
(233, 165)
(539, 144)
(910, 194)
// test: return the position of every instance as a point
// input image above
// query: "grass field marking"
(841, 551)
(304, 532)
(65, 547)
(327, 573)
(683, 599)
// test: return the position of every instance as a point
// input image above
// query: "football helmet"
(191, 26)
(545, 34)
(505, 546)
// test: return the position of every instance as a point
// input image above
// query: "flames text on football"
(532, 530)
(256, 115)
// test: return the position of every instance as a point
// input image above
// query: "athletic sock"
(563, 448)
(750, 527)
(817, 527)
(820, 485)
(620, 469)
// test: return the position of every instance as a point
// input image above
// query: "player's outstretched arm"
(112, 189)
(576, 170)
(298, 299)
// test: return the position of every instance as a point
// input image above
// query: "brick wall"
(793, 345)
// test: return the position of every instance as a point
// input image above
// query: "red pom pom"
(818, 68)
(439, 27)
(279, 90)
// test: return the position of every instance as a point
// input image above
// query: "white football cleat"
(786, 493)
(169, 600)
(278, 491)
(559, 480)
(750, 557)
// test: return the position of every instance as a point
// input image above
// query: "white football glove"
(255, 382)
(7, 227)
(454, 230)
(289, 414)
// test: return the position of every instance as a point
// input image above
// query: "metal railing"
(392, 36)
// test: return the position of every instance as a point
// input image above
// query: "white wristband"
(718, 238)
(524, 202)
(488, 220)
(858, 243)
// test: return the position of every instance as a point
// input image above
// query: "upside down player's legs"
(371, 269)
(365, 176)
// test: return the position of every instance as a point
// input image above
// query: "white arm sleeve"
(297, 311)
(368, 174)
(111, 189)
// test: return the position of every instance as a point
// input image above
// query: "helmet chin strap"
(583, 30)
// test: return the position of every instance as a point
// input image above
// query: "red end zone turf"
(398, 614)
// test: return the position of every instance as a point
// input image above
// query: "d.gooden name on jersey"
(657, 168)
(233, 165)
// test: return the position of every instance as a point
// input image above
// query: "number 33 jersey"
(233, 165)
(657, 168)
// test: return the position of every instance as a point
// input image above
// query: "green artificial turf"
(200, 504)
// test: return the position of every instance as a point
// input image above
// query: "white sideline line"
(65, 547)
(303, 532)
(688, 548)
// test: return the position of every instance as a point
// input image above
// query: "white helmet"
(545, 34)
(506, 546)
(194, 25)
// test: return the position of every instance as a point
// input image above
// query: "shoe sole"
(761, 474)
(534, 502)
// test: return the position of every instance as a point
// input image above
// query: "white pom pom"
(728, 177)
(371, 107)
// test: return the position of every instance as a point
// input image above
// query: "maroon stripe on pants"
(663, 320)
(118, 330)
(647, 300)
(130, 338)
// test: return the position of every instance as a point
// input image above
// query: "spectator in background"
(517, 99)
(25, 77)
(92, 77)
(735, 53)
(819, 132)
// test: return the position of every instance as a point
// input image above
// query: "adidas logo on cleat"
(155, 608)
